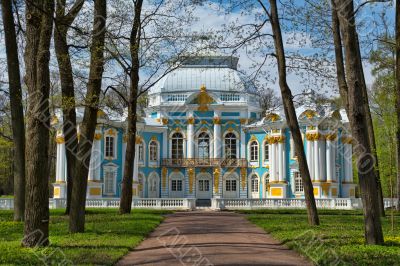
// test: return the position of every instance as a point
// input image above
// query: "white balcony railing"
(216, 204)
(335, 204)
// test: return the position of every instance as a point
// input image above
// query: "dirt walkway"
(210, 238)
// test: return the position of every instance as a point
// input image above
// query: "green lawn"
(108, 237)
(337, 241)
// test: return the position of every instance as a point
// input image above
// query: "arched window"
(153, 151)
(177, 146)
(230, 146)
(203, 146)
(254, 151)
(254, 183)
(109, 146)
(140, 148)
(266, 151)
(298, 183)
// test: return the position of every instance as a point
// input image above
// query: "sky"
(210, 18)
(368, 17)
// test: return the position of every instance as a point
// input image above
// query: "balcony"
(204, 162)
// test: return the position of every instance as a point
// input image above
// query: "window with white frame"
(177, 146)
(109, 180)
(204, 185)
(254, 151)
(230, 185)
(176, 185)
(153, 151)
(254, 183)
(230, 146)
(266, 180)
(109, 147)
(298, 183)
(266, 151)
(140, 152)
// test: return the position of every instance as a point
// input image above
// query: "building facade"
(205, 136)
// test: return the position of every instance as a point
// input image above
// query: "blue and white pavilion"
(205, 136)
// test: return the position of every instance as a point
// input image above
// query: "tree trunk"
(88, 126)
(398, 98)
(126, 196)
(371, 134)
(291, 117)
(63, 22)
(359, 126)
(343, 90)
(39, 24)
(17, 112)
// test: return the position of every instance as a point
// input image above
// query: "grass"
(339, 240)
(107, 238)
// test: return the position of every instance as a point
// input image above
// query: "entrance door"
(231, 188)
(203, 188)
(254, 186)
(152, 186)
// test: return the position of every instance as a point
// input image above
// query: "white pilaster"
(280, 162)
(190, 140)
(217, 137)
(242, 143)
(310, 159)
(316, 161)
(322, 159)
(272, 170)
(95, 158)
(329, 166)
(61, 160)
(136, 165)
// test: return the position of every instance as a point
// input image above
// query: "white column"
(217, 137)
(272, 164)
(310, 158)
(243, 141)
(136, 165)
(61, 160)
(316, 161)
(190, 138)
(283, 162)
(280, 162)
(329, 166)
(322, 159)
(95, 158)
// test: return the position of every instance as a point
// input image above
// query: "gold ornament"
(97, 136)
(164, 172)
(217, 172)
(204, 99)
(191, 179)
(60, 139)
(217, 120)
(243, 175)
(191, 120)
(164, 121)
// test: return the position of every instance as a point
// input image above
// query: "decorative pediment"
(272, 117)
(308, 114)
(203, 99)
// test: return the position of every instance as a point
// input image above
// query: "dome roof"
(216, 73)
